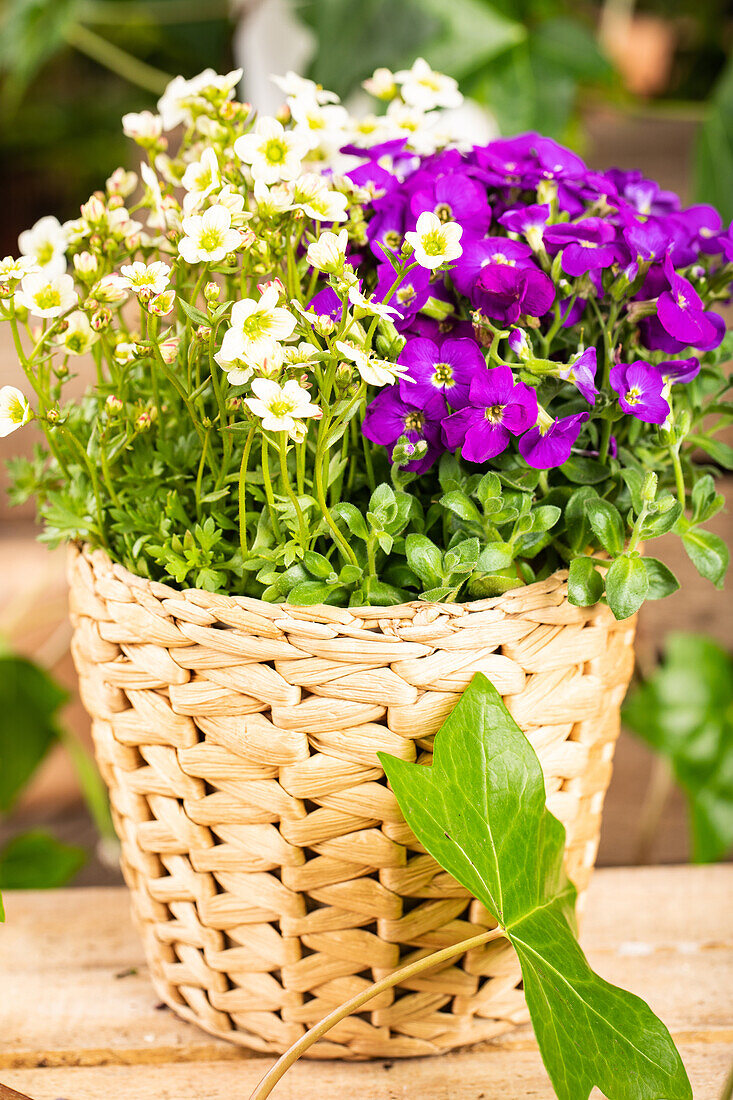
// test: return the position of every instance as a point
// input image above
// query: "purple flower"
(390, 416)
(682, 313)
(530, 221)
(679, 370)
(387, 228)
(445, 369)
(581, 371)
(477, 254)
(504, 293)
(499, 408)
(545, 448)
(648, 239)
(410, 296)
(588, 245)
(639, 388)
(455, 198)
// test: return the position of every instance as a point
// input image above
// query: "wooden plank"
(78, 1017)
(489, 1075)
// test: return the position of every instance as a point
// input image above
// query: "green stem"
(268, 490)
(283, 1064)
(679, 477)
(338, 538)
(200, 472)
(287, 485)
(116, 60)
(243, 492)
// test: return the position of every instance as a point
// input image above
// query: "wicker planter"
(271, 872)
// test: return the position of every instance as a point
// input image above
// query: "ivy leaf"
(37, 861)
(685, 712)
(480, 812)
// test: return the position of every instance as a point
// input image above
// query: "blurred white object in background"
(270, 39)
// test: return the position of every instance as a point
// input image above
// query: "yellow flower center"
(275, 151)
(47, 298)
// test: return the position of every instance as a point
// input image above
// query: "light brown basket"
(271, 871)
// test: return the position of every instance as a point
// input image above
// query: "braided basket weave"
(271, 871)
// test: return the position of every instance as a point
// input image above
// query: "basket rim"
(329, 612)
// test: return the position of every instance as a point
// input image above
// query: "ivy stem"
(283, 1064)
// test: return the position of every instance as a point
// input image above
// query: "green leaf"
(193, 313)
(308, 593)
(585, 583)
(317, 565)
(480, 812)
(685, 712)
(662, 521)
(461, 505)
(32, 31)
(353, 519)
(544, 517)
(29, 702)
(37, 861)
(576, 519)
(425, 559)
(708, 553)
(627, 586)
(662, 581)
(497, 555)
(607, 524)
(584, 471)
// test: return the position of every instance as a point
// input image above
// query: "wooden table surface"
(80, 1021)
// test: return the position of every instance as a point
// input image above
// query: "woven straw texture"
(271, 871)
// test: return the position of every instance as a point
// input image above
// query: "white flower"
(263, 360)
(272, 201)
(322, 127)
(294, 86)
(312, 195)
(209, 236)
(200, 179)
(281, 407)
(435, 242)
(303, 356)
(157, 219)
(14, 410)
(376, 372)
(139, 276)
(255, 326)
(182, 97)
(110, 289)
(381, 84)
(328, 252)
(124, 352)
(145, 127)
(368, 305)
(423, 88)
(234, 203)
(12, 270)
(46, 242)
(45, 296)
(85, 264)
(79, 336)
(272, 152)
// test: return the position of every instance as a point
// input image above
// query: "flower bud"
(85, 264)
(122, 183)
(93, 210)
(113, 405)
(233, 404)
(53, 416)
(206, 422)
(61, 371)
(101, 319)
(169, 350)
(546, 191)
(404, 451)
(324, 326)
(203, 332)
(212, 292)
(649, 487)
(684, 423)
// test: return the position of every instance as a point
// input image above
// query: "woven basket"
(271, 871)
